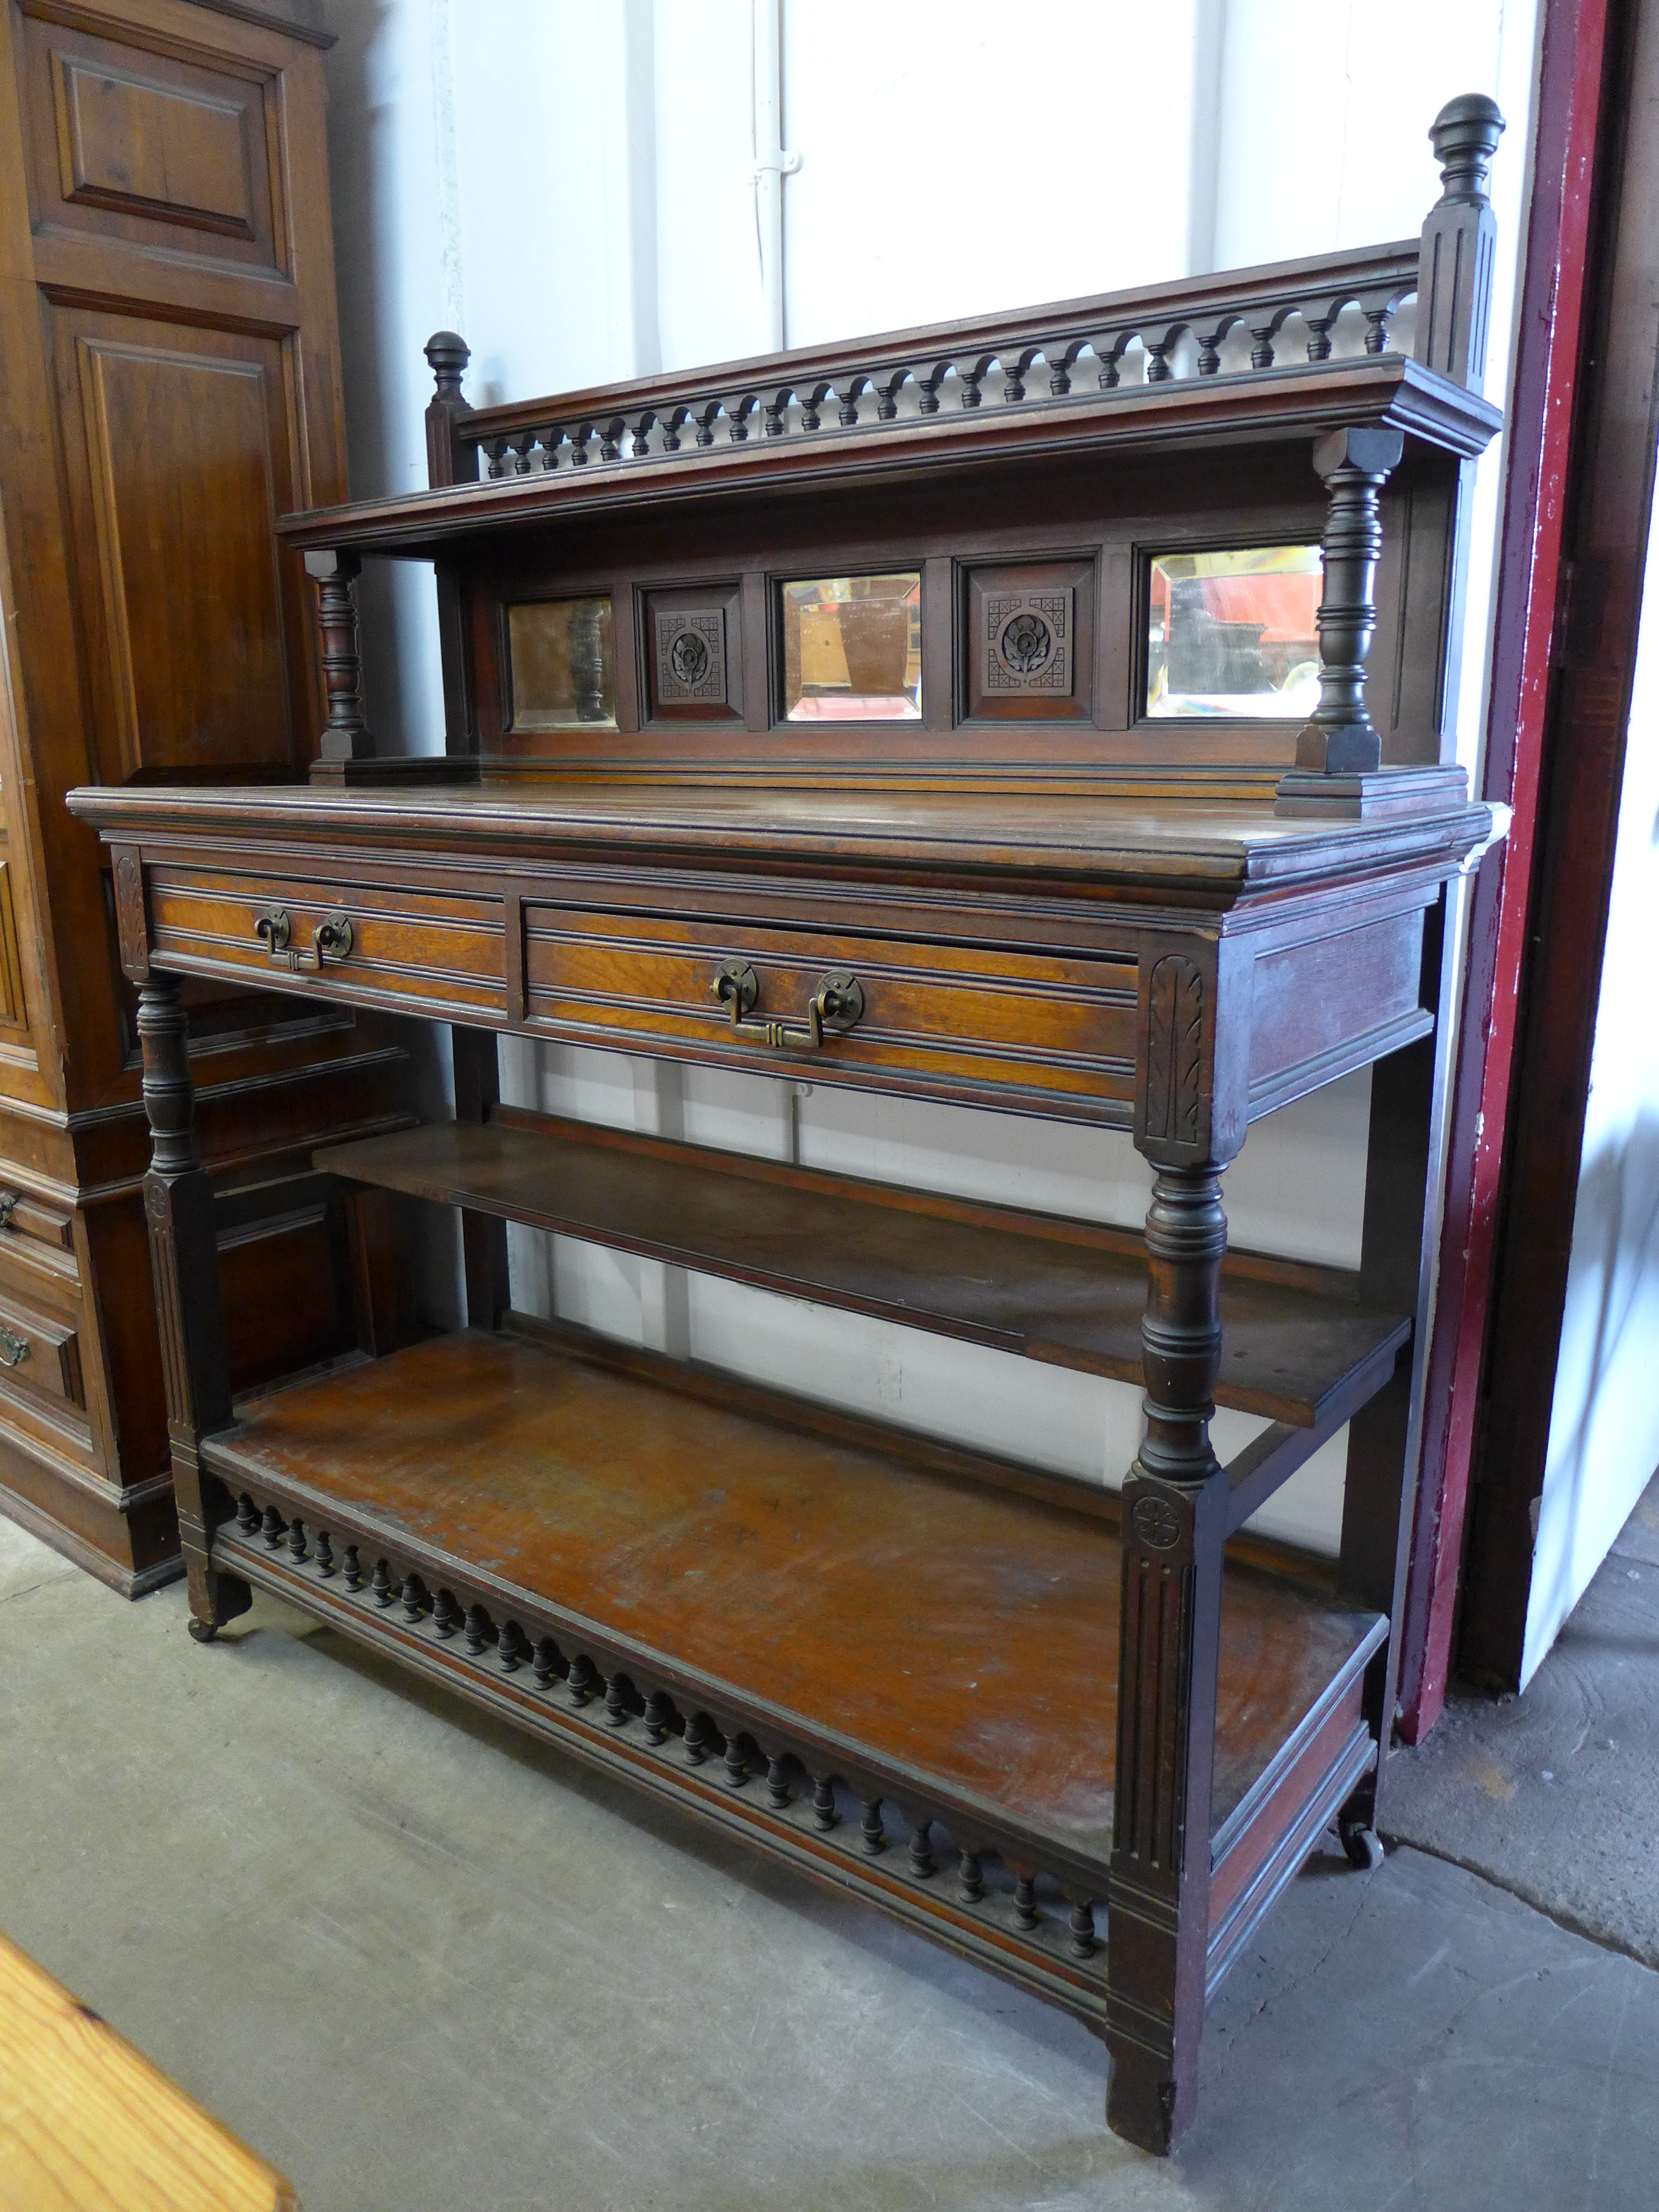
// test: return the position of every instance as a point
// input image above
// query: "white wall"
(1604, 1425)
(567, 183)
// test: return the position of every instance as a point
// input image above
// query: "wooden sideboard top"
(1218, 850)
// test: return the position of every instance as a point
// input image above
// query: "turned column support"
(1188, 1122)
(189, 1315)
(1355, 463)
(345, 735)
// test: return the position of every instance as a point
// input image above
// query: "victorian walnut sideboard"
(169, 385)
(981, 715)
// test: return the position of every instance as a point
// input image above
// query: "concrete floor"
(416, 1963)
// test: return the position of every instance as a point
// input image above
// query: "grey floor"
(417, 1964)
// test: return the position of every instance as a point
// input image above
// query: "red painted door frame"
(1571, 146)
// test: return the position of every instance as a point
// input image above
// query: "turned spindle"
(345, 734)
(698, 1738)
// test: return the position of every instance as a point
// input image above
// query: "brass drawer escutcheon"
(331, 941)
(13, 1349)
(837, 1006)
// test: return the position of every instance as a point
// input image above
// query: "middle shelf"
(1297, 1341)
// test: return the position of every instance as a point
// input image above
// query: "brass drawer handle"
(331, 941)
(837, 1006)
(13, 1349)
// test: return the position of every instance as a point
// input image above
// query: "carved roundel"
(1027, 642)
(689, 658)
(1157, 1523)
(691, 669)
(155, 1202)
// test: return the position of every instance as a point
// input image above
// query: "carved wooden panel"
(177, 443)
(693, 653)
(1174, 1103)
(1028, 641)
(151, 146)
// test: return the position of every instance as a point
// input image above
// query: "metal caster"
(202, 1632)
(1363, 1844)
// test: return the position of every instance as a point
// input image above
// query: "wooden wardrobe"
(169, 386)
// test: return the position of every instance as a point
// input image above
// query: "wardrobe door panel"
(178, 457)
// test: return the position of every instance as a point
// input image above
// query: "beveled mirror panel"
(1233, 633)
(852, 648)
(562, 664)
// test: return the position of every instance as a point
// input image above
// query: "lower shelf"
(815, 1635)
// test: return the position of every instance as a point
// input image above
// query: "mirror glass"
(852, 649)
(1233, 633)
(563, 661)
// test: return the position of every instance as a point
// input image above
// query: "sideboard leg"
(189, 1316)
(1175, 1525)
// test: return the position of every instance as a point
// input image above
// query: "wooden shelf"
(1295, 1340)
(914, 1618)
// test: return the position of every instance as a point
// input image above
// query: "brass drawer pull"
(837, 1006)
(13, 1349)
(331, 941)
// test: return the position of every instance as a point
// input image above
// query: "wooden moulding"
(1297, 1339)
(873, 1652)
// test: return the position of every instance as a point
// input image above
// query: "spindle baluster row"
(816, 400)
(815, 1799)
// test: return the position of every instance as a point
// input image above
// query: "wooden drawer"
(39, 1353)
(34, 1226)
(435, 952)
(1004, 1027)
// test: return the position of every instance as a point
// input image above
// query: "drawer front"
(1011, 1028)
(39, 1353)
(36, 1228)
(433, 952)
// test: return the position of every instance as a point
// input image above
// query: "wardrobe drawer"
(433, 952)
(39, 1353)
(954, 1020)
(35, 1227)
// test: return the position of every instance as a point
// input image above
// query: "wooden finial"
(1454, 262)
(447, 354)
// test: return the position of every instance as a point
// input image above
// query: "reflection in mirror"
(1234, 632)
(563, 664)
(852, 649)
